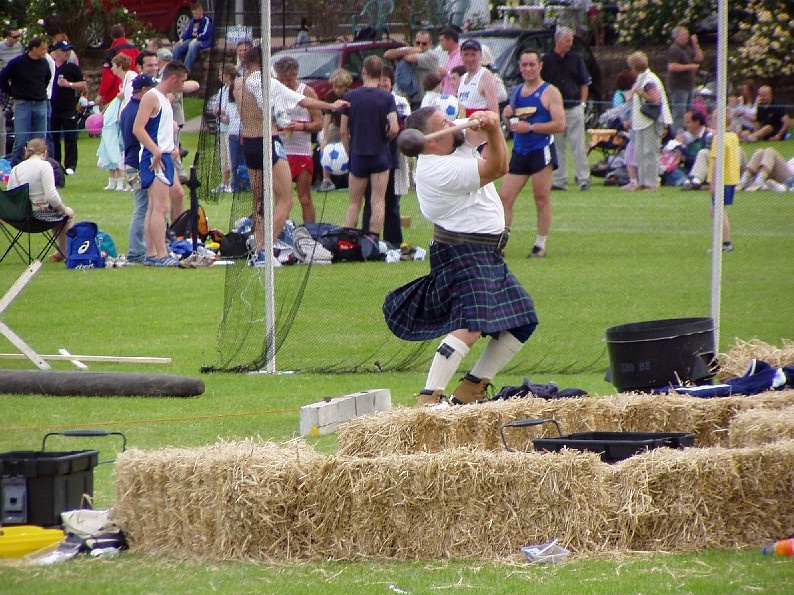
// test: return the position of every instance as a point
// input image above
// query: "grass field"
(651, 263)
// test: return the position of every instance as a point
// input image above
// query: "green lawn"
(613, 258)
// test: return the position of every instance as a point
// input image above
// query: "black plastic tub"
(648, 355)
(616, 446)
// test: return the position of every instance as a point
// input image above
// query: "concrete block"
(327, 415)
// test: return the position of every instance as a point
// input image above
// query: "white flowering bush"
(768, 51)
(651, 22)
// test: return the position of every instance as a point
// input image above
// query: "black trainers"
(537, 252)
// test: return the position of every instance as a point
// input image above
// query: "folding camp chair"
(17, 220)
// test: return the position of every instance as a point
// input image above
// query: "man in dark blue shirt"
(132, 147)
(367, 127)
(25, 78)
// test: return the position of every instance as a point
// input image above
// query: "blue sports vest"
(525, 143)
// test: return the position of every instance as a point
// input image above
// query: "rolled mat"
(89, 384)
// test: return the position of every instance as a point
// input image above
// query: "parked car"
(317, 62)
(168, 17)
(507, 44)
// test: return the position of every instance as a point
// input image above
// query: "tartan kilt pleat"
(469, 286)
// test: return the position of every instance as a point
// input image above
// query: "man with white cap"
(69, 84)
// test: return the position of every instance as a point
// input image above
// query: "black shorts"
(533, 162)
(254, 149)
(362, 166)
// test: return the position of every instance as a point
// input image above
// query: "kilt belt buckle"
(503, 237)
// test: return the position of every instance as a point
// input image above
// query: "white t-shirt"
(126, 88)
(450, 195)
(282, 98)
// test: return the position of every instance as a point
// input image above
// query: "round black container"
(648, 355)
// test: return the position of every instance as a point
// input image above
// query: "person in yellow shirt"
(731, 175)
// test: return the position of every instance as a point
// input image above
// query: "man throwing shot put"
(469, 291)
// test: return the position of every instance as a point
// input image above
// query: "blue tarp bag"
(82, 251)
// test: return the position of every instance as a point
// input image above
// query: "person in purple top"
(368, 124)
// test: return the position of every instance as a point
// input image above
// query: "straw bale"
(457, 503)
(230, 500)
(405, 430)
(734, 363)
(698, 499)
(707, 418)
(264, 501)
(761, 426)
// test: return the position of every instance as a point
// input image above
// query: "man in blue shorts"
(368, 124)
(469, 291)
(154, 127)
(535, 113)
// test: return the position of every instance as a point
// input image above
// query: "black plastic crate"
(36, 487)
(616, 446)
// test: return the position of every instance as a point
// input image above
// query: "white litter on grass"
(545, 553)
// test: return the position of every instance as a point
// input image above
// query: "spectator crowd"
(668, 127)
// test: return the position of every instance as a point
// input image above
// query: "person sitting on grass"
(37, 173)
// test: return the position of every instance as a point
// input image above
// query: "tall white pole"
(270, 307)
(719, 166)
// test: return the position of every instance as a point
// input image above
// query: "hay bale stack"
(264, 501)
(452, 504)
(761, 426)
(734, 363)
(707, 418)
(699, 499)
(230, 500)
(407, 430)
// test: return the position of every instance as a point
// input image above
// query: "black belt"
(497, 240)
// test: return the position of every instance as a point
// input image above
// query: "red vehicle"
(317, 62)
(168, 17)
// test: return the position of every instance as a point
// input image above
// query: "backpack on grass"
(82, 251)
(182, 227)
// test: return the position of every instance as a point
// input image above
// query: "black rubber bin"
(648, 355)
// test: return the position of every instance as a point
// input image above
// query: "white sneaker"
(755, 186)
(69, 171)
(121, 188)
(327, 186)
(111, 186)
(774, 186)
(218, 189)
(227, 189)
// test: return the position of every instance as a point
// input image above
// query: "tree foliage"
(81, 20)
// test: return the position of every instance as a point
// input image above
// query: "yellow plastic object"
(19, 541)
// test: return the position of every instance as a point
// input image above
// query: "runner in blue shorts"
(535, 113)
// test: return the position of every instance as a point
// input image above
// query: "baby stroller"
(610, 141)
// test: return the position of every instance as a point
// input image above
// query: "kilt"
(469, 287)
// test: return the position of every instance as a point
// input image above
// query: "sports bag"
(82, 251)
(348, 244)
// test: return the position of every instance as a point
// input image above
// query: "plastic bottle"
(784, 547)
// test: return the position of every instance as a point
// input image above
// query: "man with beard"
(470, 291)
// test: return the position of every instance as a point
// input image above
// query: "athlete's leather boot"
(429, 397)
(470, 390)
